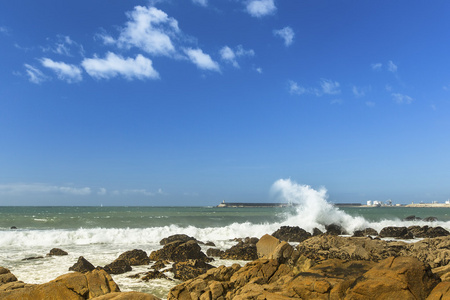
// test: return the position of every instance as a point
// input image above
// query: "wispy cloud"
(64, 45)
(201, 2)
(4, 30)
(114, 65)
(34, 75)
(401, 98)
(39, 188)
(66, 72)
(229, 55)
(287, 34)
(202, 60)
(327, 87)
(392, 67)
(376, 66)
(150, 30)
(261, 8)
(359, 91)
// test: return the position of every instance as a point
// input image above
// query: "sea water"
(101, 234)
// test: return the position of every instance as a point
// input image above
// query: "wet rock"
(185, 270)
(430, 219)
(179, 251)
(158, 265)
(154, 275)
(214, 252)
(412, 218)
(82, 266)
(176, 237)
(316, 231)
(365, 232)
(57, 252)
(13, 227)
(241, 251)
(291, 234)
(6, 276)
(127, 296)
(119, 266)
(32, 258)
(396, 232)
(211, 244)
(135, 257)
(335, 229)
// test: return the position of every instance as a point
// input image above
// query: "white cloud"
(66, 72)
(35, 75)
(229, 55)
(392, 67)
(401, 98)
(201, 2)
(150, 30)
(261, 8)
(376, 66)
(64, 45)
(330, 87)
(114, 65)
(259, 70)
(201, 60)
(101, 191)
(287, 34)
(38, 188)
(327, 87)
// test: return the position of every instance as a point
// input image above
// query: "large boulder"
(76, 286)
(119, 266)
(291, 234)
(176, 237)
(135, 257)
(82, 266)
(57, 252)
(335, 229)
(396, 232)
(241, 251)
(179, 251)
(185, 270)
(395, 278)
(6, 276)
(266, 245)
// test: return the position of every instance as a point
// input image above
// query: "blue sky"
(197, 101)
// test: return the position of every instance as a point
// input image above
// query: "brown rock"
(440, 292)
(82, 266)
(6, 276)
(395, 278)
(135, 257)
(291, 234)
(179, 251)
(396, 232)
(241, 251)
(266, 245)
(214, 252)
(57, 252)
(154, 275)
(127, 296)
(185, 270)
(119, 266)
(176, 237)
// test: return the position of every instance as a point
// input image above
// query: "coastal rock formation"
(179, 251)
(335, 229)
(243, 250)
(396, 232)
(427, 232)
(135, 257)
(119, 266)
(185, 270)
(127, 296)
(291, 234)
(176, 237)
(69, 286)
(82, 266)
(365, 232)
(57, 252)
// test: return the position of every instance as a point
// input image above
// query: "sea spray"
(312, 208)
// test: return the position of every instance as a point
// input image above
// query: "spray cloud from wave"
(312, 208)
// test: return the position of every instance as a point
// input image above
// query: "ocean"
(101, 234)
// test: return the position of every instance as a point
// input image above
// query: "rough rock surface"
(135, 257)
(119, 266)
(179, 251)
(176, 237)
(57, 252)
(243, 250)
(127, 296)
(335, 229)
(82, 266)
(396, 232)
(185, 270)
(291, 234)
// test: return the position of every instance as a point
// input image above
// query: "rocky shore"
(287, 264)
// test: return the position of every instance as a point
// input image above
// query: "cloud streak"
(66, 72)
(38, 188)
(287, 34)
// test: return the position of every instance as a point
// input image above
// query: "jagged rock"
(395, 278)
(6, 276)
(427, 232)
(135, 257)
(396, 232)
(158, 265)
(82, 266)
(119, 266)
(291, 234)
(176, 237)
(57, 252)
(440, 292)
(211, 244)
(154, 275)
(247, 240)
(365, 232)
(69, 286)
(214, 252)
(334, 229)
(316, 232)
(179, 251)
(241, 251)
(185, 270)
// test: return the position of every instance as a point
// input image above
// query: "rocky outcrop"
(185, 270)
(243, 250)
(427, 232)
(119, 266)
(176, 237)
(82, 266)
(291, 234)
(335, 229)
(57, 252)
(365, 232)
(127, 296)
(396, 232)
(69, 286)
(179, 251)
(135, 257)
